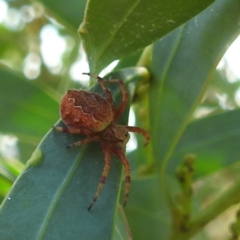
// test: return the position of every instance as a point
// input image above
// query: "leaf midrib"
(117, 28)
(59, 193)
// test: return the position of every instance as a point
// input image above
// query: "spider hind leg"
(84, 141)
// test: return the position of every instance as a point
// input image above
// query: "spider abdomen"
(81, 109)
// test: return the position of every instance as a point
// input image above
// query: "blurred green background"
(42, 55)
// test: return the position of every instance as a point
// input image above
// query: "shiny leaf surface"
(183, 62)
(123, 27)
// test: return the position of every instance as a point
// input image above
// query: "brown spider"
(90, 114)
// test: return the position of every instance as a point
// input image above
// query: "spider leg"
(125, 162)
(68, 130)
(103, 178)
(104, 87)
(73, 130)
(141, 131)
(84, 141)
(123, 103)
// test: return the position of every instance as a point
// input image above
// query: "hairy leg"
(103, 178)
(77, 131)
(123, 103)
(72, 130)
(125, 162)
(104, 87)
(141, 131)
(68, 130)
(84, 141)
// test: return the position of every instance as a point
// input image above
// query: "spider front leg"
(103, 178)
(103, 86)
(123, 103)
(141, 131)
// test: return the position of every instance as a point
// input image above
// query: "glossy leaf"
(52, 195)
(214, 141)
(122, 229)
(70, 12)
(123, 27)
(147, 212)
(182, 65)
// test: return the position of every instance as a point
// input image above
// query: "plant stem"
(228, 198)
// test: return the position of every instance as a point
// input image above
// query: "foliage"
(168, 55)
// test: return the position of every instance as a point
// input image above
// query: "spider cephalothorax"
(96, 117)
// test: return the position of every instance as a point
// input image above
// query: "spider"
(88, 113)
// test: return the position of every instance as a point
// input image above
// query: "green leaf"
(51, 197)
(122, 230)
(70, 12)
(28, 110)
(182, 65)
(214, 140)
(123, 27)
(147, 212)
